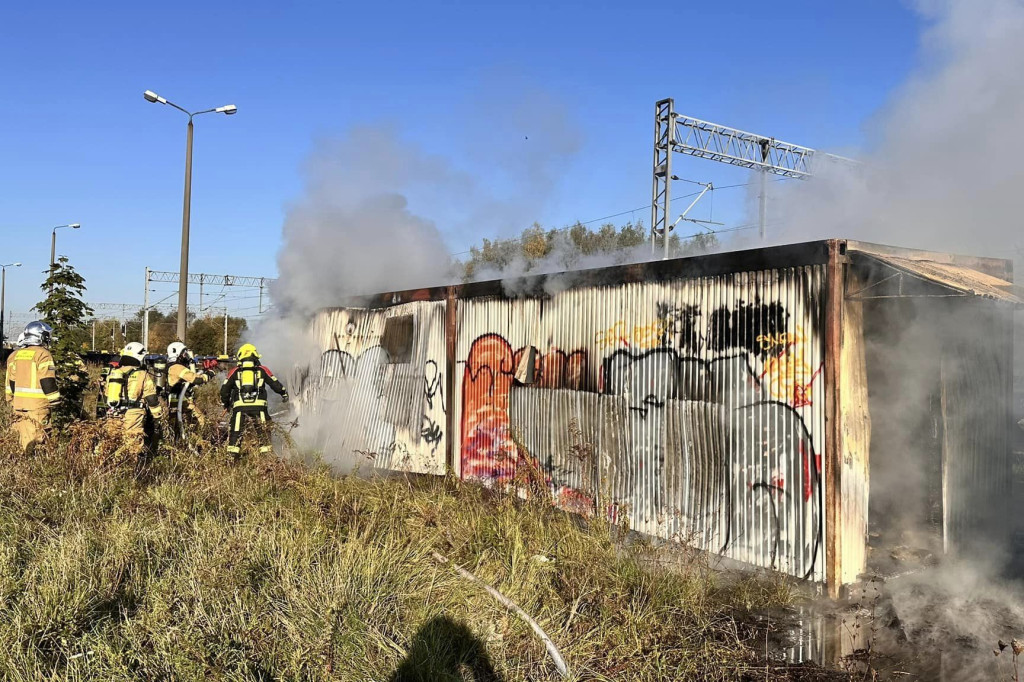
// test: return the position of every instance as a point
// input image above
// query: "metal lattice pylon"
(687, 135)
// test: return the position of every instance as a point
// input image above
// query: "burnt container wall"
(688, 409)
(381, 380)
(976, 375)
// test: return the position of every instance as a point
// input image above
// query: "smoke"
(354, 231)
(940, 172)
(942, 167)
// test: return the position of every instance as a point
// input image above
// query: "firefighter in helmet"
(31, 386)
(132, 399)
(182, 374)
(244, 393)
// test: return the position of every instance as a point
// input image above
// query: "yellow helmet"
(247, 351)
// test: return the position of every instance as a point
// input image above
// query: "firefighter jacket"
(246, 386)
(132, 388)
(177, 375)
(31, 379)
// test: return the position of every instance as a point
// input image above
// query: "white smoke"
(941, 172)
(354, 232)
(942, 168)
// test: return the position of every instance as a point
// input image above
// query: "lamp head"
(227, 109)
(153, 97)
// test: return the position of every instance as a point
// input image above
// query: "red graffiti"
(488, 450)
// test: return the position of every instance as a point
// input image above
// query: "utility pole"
(185, 216)
(145, 312)
(225, 331)
(53, 245)
(228, 109)
(94, 333)
(3, 296)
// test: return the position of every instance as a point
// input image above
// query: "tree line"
(570, 247)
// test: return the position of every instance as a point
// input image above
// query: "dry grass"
(192, 566)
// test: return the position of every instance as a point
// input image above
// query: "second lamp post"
(3, 295)
(186, 209)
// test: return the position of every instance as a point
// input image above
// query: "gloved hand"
(284, 398)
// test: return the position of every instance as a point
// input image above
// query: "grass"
(194, 566)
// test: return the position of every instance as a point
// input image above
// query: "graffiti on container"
(621, 335)
(682, 325)
(489, 451)
(379, 401)
(669, 396)
(780, 341)
(741, 327)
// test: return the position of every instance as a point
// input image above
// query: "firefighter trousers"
(239, 417)
(30, 423)
(138, 430)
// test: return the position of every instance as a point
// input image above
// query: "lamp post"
(3, 296)
(228, 109)
(53, 243)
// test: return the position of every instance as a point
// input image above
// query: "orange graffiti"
(781, 340)
(640, 336)
(488, 449)
(790, 378)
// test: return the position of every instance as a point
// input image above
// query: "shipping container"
(742, 403)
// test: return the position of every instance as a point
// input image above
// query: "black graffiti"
(738, 328)
(682, 328)
(433, 384)
(431, 433)
(369, 374)
(652, 378)
(742, 327)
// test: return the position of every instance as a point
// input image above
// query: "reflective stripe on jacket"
(178, 373)
(31, 378)
(251, 374)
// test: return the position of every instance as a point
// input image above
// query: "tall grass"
(194, 566)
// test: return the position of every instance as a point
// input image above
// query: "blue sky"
(79, 143)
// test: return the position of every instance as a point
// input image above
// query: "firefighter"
(244, 393)
(181, 374)
(132, 399)
(31, 386)
(101, 396)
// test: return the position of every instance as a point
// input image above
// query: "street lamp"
(53, 243)
(3, 295)
(186, 210)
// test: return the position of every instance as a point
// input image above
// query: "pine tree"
(65, 311)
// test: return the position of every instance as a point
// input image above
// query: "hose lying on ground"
(556, 656)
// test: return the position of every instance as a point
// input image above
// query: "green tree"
(206, 335)
(65, 311)
(568, 246)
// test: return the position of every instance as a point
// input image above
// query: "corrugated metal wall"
(381, 385)
(690, 409)
(976, 401)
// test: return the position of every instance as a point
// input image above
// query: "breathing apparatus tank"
(156, 365)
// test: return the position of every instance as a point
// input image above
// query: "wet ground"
(948, 622)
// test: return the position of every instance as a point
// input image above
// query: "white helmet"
(37, 334)
(176, 350)
(21, 340)
(134, 350)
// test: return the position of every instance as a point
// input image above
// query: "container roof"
(886, 272)
(889, 272)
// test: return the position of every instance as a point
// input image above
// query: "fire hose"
(553, 652)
